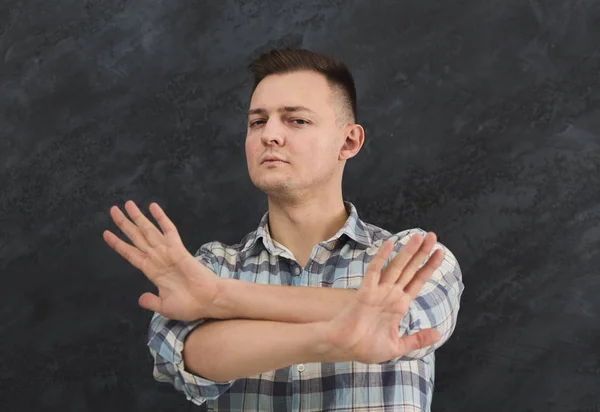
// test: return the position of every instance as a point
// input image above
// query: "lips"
(272, 159)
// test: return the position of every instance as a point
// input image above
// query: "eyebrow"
(284, 109)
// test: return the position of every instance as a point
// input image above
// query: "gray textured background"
(482, 122)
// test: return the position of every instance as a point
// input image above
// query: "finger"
(151, 302)
(132, 231)
(130, 253)
(416, 261)
(373, 273)
(418, 281)
(421, 339)
(164, 222)
(394, 269)
(149, 230)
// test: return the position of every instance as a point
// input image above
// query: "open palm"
(367, 329)
(186, 288)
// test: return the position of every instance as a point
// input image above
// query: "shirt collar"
(354, 228)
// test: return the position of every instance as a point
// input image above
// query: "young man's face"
(292, 116)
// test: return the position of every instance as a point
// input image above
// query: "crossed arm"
(416, 295)
(284, 327)
(283, 324)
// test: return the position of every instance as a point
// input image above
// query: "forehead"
(292, 89)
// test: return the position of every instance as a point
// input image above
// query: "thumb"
(150, 301)
(419, 340)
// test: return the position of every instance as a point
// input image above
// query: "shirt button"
(300, 368)
(297, 270)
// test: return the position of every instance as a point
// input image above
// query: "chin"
(274, 186)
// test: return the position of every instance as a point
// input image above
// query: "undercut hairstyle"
(288, 60)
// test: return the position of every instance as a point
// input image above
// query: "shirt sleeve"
(436, 305)
(165, 341)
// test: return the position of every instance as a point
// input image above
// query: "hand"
(367, 329)
(186, 288)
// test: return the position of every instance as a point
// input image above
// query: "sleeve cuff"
(168, 343)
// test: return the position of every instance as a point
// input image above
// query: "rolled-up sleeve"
(437, 304)
(166, 338)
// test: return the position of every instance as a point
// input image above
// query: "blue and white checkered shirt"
(403, 384)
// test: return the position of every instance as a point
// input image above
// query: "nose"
(273, 132)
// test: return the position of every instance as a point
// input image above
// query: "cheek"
(318, 158)
(325, 151)
(251, 145)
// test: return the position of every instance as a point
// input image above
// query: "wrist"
(224, 304)
(322, 348)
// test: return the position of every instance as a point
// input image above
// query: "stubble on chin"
(275, 188)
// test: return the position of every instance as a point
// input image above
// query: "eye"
(303, 122)
(256, 122)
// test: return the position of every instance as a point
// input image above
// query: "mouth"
(273, 162)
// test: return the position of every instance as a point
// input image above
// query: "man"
(315, 310)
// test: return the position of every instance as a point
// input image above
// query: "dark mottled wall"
(483, 125)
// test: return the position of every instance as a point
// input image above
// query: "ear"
(355, 137)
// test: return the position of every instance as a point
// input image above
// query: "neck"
(301, 224)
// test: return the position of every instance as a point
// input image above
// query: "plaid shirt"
(403, 384)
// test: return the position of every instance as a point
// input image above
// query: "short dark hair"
(287, 60)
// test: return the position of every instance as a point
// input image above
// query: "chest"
(341, 268)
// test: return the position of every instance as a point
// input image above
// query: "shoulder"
(216, 253)
(379, 235)
(400, 239)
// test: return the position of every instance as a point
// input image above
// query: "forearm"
(224, 350)
(295, 304)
